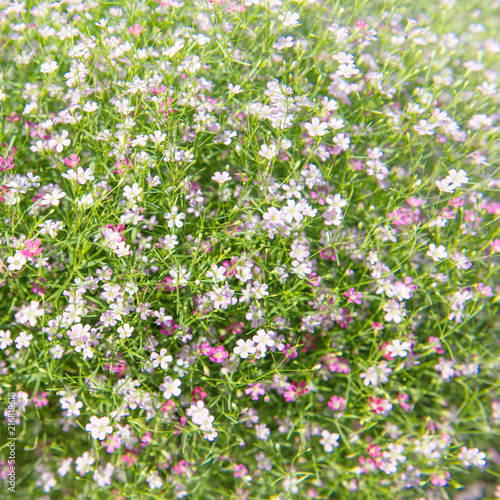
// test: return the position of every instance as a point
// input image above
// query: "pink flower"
(314, 280)
(353, 297)
(336, 403)
(6, 164)
(129, 459)
(374, 450)
(219, 354)
(146, 439)
(336, 365)
(378, 405)
(402, 400)
(72, 161)
(32, 248)
(485, 291)
(112, 443)
(205, 349)
(240, 470)
(293, 390)
(135, 30)
(441, 479)
(40, 399)
(290, 352)
(436, 344)
(255, 390)
(495, 245)
(362, 25)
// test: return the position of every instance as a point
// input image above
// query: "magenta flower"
(32, 248)
(353, 297)
(146, 439)
(219, 354)
(40, 399)
(72, 161)
(240, 470)
(6, 164)
(205, 349)
(336, 403)
(255, 390)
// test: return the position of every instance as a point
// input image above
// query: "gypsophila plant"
(250, 249)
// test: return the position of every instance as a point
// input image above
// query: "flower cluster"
(250, 248)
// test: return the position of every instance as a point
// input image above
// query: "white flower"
(289, 19)
(86, 201)
(30, 107)
(154, 480)
(452, 181)
(425, 128)
(5, 340)
(90, 107)
(158, 137)
(53, 198)
(174, 217)
(49, 67)
(65, 467)
(99, 427)
(170, 387)
(23, 340)
(221, 178)
(347, 70)
(398, 348)
(268, 152)
(140, 140)
(264, 339)
(210, 435)
(170, 241)
(162, 359)
(329, 440)
(235, 89)
(472, 456)
(171, 51)
(132, 193)
(370, 377)
(336, 203)
(29, 314)
(292, 211)
(71, 406)
(205, 421)
(436, 253)
(125, 331)
(60, 141)
(244, 348)
(316, 128)
(259, 290)
(189, 65)
(57, 351)
(262, 432)
(80, 175)
(336, 123)
(16, 262)
(217, 273)
(84, 462)
(343, 141)
(395, 311)
(332, 217)
(180, 275)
